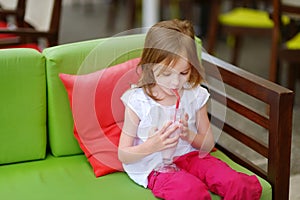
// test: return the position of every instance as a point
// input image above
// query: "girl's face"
(168, 78)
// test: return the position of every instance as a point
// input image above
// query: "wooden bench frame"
(278, 121)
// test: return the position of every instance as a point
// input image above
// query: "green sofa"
(39, 156)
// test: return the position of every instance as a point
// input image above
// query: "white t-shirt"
(146, 109)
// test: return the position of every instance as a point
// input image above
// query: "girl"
(170, 63)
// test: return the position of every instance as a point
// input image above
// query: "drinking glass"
(174, 115)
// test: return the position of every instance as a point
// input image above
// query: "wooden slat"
(242, 80)
(241, 137)
(241, 109)
(243, 161)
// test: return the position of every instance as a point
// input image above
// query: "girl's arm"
(159, 139)
(204, 139)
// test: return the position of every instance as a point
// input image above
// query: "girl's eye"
(184, 73)
(166, 73)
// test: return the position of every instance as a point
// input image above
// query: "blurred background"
(240, 37)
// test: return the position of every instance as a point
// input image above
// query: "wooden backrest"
(290, 8)
(270, 113)
(39, 14)
(280, 7)
(15, 8)
(8, 4)
(36, 19)
(257, 4)
(44, 16)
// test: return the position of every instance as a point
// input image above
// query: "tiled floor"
(83, 20)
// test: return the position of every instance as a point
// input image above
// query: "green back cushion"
(23, 105)
(79, 58)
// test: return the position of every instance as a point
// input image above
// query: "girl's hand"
(185, 132)
(162, 139)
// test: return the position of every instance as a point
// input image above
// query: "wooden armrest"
(275, 119)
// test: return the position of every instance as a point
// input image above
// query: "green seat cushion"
(23, 105)
(67, 178)
(246, 17)
(72, 178)
(294, 43)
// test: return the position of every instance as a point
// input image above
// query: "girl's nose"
(175, 81)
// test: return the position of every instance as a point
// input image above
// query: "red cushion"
(98, 112)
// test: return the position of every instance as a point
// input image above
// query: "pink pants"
(198, 176)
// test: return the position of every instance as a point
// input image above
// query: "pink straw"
(177, 102)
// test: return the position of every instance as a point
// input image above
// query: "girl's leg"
(220, 178)
(177, 186)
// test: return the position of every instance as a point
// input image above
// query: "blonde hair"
(166, 42)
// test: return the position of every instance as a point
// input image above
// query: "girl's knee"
(194, 190)
(180, 185)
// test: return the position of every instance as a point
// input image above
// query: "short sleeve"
(202, 97)
(196, 98)
(132, 98)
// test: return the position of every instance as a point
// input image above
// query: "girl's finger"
(165, 127)
(170, 130)
(172, 140)
(186, 117)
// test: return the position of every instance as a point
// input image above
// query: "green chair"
(37, 26)
(245, 19)
(289, 51)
